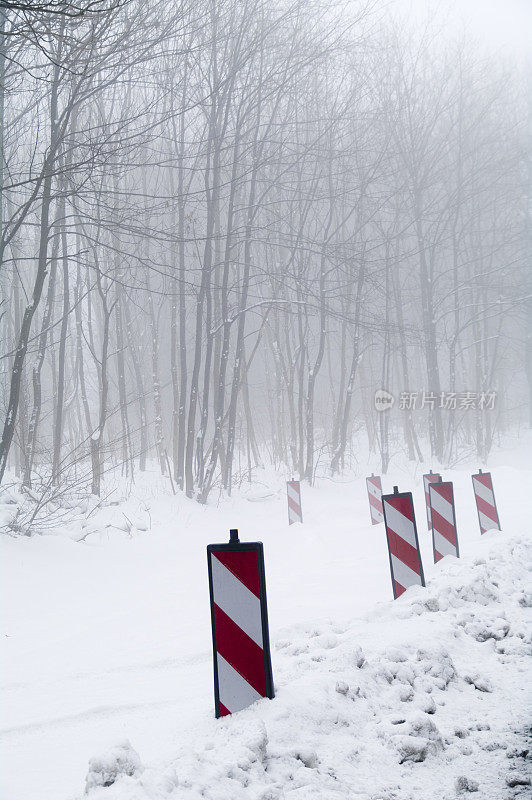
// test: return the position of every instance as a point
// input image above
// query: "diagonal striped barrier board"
(403, 546)
(239, 619)
(374, 487)
(430, 477)
(293, 492)
(488, 516)
(444, 534)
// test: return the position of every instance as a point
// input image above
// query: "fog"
(252, 233)
(501, 26)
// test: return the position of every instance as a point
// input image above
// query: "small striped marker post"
(488, 516)
(374, 487)
(239, 619)
(430, 477)
(293, 492)
(444, 534)
(403, 546)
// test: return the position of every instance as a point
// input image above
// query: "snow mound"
(106, 768)
(424, 697)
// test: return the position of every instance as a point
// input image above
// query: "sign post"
(430, 477)
(374, 487)
(444, 534)
(403, 545)
(239, 619)
(293, 492)
(488, 516)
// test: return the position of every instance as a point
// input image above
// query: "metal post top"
(233, 536)
(395, 490)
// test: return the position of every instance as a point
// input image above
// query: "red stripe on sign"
(403, 505)
(485, 478)
(240, 651)
(441, 525)
(376, 482)
(445, 491)
(437, 556)
(487, 509)
(404, 551)
(375, 502)
(244, 565)
(293, 505)
(224, 712)
(294, 485)
(398, 589)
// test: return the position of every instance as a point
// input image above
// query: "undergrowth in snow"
(424, 697)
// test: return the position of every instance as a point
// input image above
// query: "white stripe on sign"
(235, 599)
(442, 545)
(374, 490)
(426, 484)
(376, 514)
(293, 494)
(403, 574)
(442, 506)
(293, 516)
(486, 523)
(235, 692)
(484, 492)
(398, 523)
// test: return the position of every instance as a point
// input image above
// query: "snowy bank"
(424, 697)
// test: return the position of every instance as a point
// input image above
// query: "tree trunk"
(58, 423)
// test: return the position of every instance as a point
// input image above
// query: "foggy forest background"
(227, 225)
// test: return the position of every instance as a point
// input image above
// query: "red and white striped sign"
(488, 516)
(293, 491)
(430, 477)
(403, 545)
(374, 488)
(444, 535)
(242, 664)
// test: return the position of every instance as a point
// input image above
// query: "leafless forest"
(227, 224)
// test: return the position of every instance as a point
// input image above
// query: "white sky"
(504, 25)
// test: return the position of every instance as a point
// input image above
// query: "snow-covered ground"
(109, 639)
